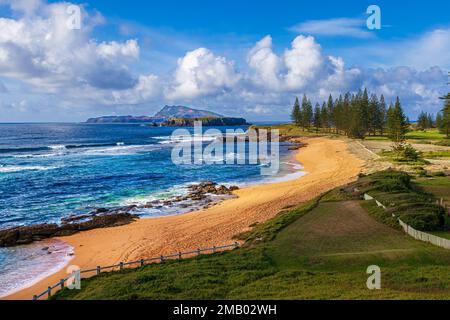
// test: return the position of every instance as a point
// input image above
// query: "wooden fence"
(426, 237)
(416, 234)
(133, 264)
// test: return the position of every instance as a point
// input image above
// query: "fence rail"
(416, 234)
(138, 263)
(426, 237)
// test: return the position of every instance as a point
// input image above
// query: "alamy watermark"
(74, 281)
(234, 147)
(374, 280)
(73, 21)
(374, 19)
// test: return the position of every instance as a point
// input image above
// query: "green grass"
(319, 250)
(442, 234)
(292, 130)
(322, 255)
(439, 187)
(436, 154)
(432, 134)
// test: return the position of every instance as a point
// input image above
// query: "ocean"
(52, 171)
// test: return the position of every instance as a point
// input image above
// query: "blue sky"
(240, 58)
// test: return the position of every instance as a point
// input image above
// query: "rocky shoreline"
(200, 194)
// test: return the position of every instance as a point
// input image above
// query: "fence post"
(35, 297)
(49, 291)
(162, 258)
(142, 262)
(198, 251)
(179, 255)
(62, 283)
(121, 266)
(99, 269)
(214, 249)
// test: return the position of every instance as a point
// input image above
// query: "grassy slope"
(320, 250)
(428, 136)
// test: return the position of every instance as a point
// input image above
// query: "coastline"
(328, 164)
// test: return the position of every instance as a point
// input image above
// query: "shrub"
(406, 153)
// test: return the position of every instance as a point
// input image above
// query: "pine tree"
(422, 121)
(324, 116)
(317, 117)
(444, 122)
(346, 113)
(306, 113)
(396, 122)
(430, 121)
(309, 114)
(296, 116)
(373, 116)
(364, 105)
(330, 111)
(358, 125)
(338, 114)
(382, 112)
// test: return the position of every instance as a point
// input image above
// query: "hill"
(168, 113)
(185, 112)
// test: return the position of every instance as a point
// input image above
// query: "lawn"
(432, 134)
(319, 250)
(438, 186)
(416, 136)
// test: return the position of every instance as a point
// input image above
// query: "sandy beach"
(327, 162)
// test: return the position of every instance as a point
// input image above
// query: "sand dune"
(328, 163)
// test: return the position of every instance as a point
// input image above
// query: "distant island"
(176, 116)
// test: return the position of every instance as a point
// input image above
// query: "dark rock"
(29, 234)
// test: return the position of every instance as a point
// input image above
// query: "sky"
(69, 61)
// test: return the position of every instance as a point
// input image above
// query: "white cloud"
(345, 27)
(146, 89)
(265, 63)
(257, 109)
(51, 67)
(430, 49)
(201, 73)
(27, 7)
(303, 62)
(39, 49)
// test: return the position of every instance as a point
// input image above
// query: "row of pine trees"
(354, 115)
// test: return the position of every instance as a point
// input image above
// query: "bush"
(438, 174)
(406, 153)
(424, 221)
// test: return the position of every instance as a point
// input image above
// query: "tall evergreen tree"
(364, 105)
(422, 121)
(296, 115)
(330, 111)
(373, 116)
(444, 122)
(358, 121)
(306, 112)
(317, 117)
(382, 112)
(309, 114)
(396, 122)
(324, 116)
